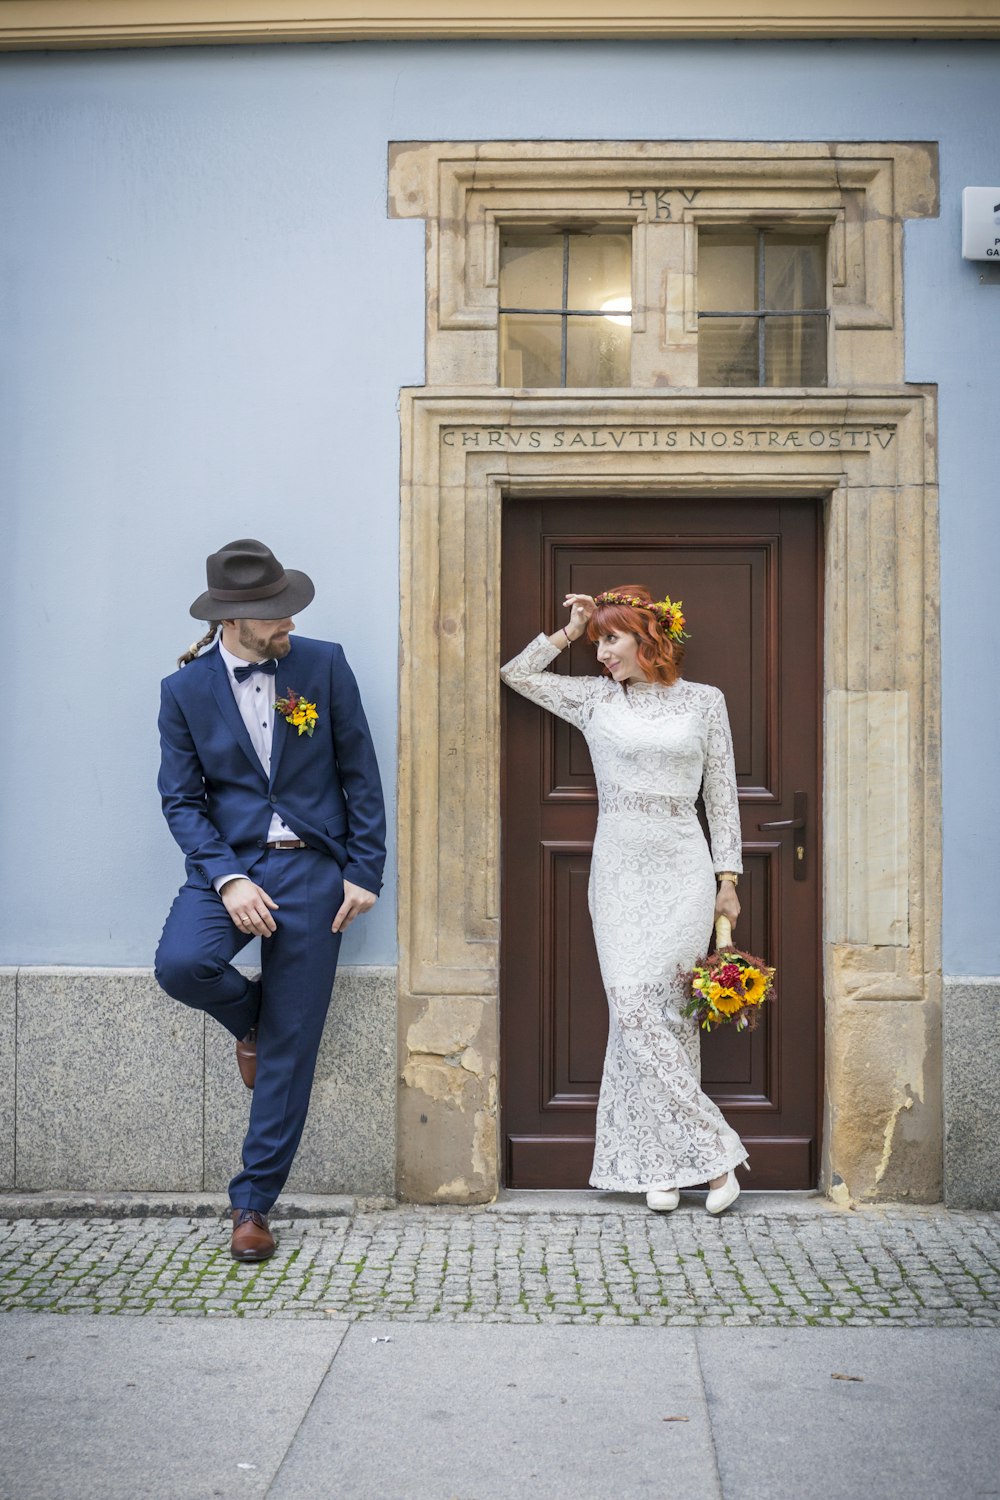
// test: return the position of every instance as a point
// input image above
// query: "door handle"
(798, 822)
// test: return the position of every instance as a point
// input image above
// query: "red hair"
(659, 657)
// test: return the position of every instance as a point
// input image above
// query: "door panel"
(748, 573)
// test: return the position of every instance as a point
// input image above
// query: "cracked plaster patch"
(446, 1027)
(889, 1135)
(484, 1144)
(438, 1077)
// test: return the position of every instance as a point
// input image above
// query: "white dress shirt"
(255, 701)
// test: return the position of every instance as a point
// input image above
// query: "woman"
(654, 741)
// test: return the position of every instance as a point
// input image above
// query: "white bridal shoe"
(722, 1197)
(663, 1199)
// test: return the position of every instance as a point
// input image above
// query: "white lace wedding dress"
(652, 902)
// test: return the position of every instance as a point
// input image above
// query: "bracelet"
(566, 635)
(722, 875)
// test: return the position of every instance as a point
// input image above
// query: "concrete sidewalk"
(128, 1408)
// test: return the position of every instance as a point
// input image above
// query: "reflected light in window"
(617, 305)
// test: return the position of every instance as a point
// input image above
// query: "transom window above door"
(565, 307)
(763, 309)
(722, 264)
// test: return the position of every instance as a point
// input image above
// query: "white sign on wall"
(981, 223)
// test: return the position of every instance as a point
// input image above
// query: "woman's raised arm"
(564, 696)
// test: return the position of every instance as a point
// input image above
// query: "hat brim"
(298, 592)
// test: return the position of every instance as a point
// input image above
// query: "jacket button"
(273, 797)
(260, 843)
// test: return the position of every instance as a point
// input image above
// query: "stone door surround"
(866, 446)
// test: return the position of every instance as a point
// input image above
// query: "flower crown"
(666, 611)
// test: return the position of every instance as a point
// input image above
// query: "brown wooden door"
(749, 574)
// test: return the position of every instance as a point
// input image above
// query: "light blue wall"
(202, 305)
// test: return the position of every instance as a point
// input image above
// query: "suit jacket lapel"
(281, 729)
(223, 692)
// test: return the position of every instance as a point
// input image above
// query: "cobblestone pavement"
(903, 1268)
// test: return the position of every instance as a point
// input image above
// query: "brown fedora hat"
(247, 582)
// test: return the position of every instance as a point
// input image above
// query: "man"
(270, 786)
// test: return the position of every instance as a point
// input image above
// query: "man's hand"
(249, 906)
(356, 901)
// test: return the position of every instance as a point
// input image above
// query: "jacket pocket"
(335, 829)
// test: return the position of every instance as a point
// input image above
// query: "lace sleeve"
(719, 788)
(569, 697)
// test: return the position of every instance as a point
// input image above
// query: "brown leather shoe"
(252, 1239)
(246, 1058)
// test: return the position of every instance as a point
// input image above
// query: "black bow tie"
(242, 673)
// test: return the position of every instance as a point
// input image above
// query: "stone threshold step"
(516, 1201)
(593, 1201)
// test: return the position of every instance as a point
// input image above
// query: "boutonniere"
(296, 711)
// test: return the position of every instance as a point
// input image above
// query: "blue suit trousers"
(288, 1004)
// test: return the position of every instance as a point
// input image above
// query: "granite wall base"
(8, 1032)
(971, 1088)
(107, 1085)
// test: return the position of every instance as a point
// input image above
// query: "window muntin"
(565, 307)
(762, 307)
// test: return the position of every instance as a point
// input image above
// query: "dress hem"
(686, 1179)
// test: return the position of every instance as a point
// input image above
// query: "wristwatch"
(722, 875)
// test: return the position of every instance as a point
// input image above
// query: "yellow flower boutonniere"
(296, 711)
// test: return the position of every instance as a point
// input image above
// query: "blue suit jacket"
(216, 796)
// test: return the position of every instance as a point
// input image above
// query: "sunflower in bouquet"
(728, 989)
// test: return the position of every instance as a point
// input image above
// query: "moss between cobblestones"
(467, 1265)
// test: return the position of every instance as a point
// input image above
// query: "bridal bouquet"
(729, 987)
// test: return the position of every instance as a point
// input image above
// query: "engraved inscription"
(639, 439)
(656, 201)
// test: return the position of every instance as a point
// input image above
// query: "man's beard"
(262, 646)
